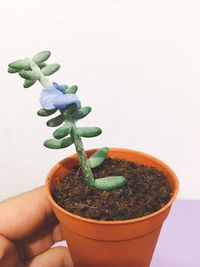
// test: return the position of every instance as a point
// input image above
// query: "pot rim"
(118, 222)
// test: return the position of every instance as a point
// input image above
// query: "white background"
(137, 63)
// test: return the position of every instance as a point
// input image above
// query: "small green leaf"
(110, 183)
(41, 56)
(42, 65)
(62, 131)
(11, 70)
(88, 131)
(50, 69)
(56, 121)
(21, 64)
(98, 157)
(29, 75)
(81, 113)
(72, 89)
(43, 112)
(28, 83)
(56, 144)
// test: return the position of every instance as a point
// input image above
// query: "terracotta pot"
(128, 243)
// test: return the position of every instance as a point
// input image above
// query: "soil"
(147, 191)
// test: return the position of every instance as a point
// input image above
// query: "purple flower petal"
(55, 98)
(47, 97)
(66, 101)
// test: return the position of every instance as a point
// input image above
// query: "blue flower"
(55, 98)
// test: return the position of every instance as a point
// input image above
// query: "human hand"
(28, 229)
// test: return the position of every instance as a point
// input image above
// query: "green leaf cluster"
(23, 68)
(66, 120)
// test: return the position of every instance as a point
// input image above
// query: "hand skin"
(28, 229)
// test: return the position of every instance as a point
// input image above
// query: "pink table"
(178, 245)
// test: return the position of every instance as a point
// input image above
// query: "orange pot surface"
(128, 243)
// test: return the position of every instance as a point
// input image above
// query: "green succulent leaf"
(72, 89)
(98, 157)
(21, 64)
(110, 183)
(56, 144)
(41, 65)
(44, 113)
(50, 69)
(88, 131)
(81, 113)
(56, 121)
(41, 56)
(29, 75)
(12, 70)
(62, 131)
(28, 83)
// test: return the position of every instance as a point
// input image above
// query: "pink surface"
(178, 245)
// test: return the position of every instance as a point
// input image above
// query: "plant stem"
(43, 80)
(85, 164)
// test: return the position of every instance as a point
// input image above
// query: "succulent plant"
(63, 99)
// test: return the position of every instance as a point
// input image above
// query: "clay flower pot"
(128, 243)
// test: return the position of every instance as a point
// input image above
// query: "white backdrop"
(137, 63)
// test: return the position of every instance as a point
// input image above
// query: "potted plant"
(111, 202)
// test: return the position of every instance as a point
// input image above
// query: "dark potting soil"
(147, 191)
